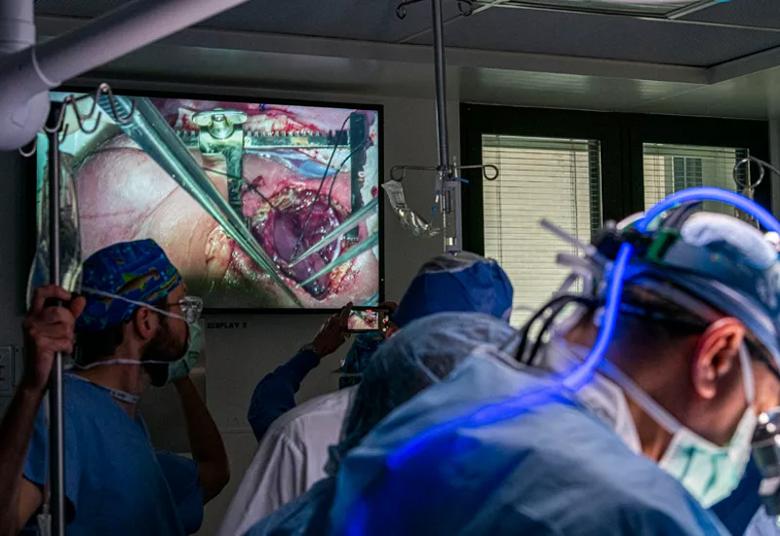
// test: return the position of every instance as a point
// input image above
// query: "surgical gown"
(500, 450)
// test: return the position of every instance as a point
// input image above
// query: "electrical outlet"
(6, 370)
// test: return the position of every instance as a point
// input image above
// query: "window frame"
(620, 136)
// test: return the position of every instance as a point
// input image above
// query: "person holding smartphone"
(275, 393)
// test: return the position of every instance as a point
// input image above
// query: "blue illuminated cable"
(696, 195)
(582, 374)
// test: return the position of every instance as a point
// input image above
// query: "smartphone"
(363, 319)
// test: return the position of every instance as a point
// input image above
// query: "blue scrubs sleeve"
(182, 476)
(36, 463)
(275, 394)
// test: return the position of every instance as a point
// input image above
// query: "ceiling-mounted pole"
(447, 196)
(441, 87)
(56, 482)
(448, 188)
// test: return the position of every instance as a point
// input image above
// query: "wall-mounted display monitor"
(260, 205)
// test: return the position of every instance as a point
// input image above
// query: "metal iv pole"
(56, 483)
(448, 183)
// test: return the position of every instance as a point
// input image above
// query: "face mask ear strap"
(748, 381)
(149, 306)
(665, 419)
(119, 361)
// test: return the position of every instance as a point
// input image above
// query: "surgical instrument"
(222, 132)
(149, 130)
(766, 454)
(352, 221)
(347, 256)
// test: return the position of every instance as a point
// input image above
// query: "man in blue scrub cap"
(137, 326)
(293, 452)
(661, 433)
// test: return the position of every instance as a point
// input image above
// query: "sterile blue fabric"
(181, 474)
(421, 354)
(471, 455)
(466, 282)
(305, 516)
(114, 482)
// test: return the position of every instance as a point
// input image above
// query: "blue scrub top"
(485, 461)
(115, 482)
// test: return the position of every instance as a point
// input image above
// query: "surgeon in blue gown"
(659, 435)
(416, 358)
(137, 327)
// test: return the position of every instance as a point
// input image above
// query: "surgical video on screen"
(260, 206)
(366, 320)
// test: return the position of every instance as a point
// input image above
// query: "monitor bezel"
(245, 97)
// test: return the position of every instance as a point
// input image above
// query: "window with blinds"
(553, 178)
(670, 168)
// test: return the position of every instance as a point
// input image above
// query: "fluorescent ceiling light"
(650, 8)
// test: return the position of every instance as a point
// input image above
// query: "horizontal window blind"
(557, 179)
(670, 168)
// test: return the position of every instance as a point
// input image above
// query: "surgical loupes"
(148, 128)
(221, 132)
(766, 454)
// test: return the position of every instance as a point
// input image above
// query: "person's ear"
(716, 355)
(145, 323)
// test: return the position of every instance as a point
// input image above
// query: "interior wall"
(242, 348)
(15, 218)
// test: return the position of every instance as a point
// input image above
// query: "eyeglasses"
(191, 308)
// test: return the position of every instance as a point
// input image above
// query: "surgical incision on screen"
(301, 183)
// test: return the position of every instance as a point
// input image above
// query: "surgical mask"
(708, 471)
(177, 369)
(181, 368)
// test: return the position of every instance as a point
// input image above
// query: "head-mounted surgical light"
(615, 276)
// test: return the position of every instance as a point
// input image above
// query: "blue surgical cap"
(464, 282)
(139, 271)
(728, 264)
